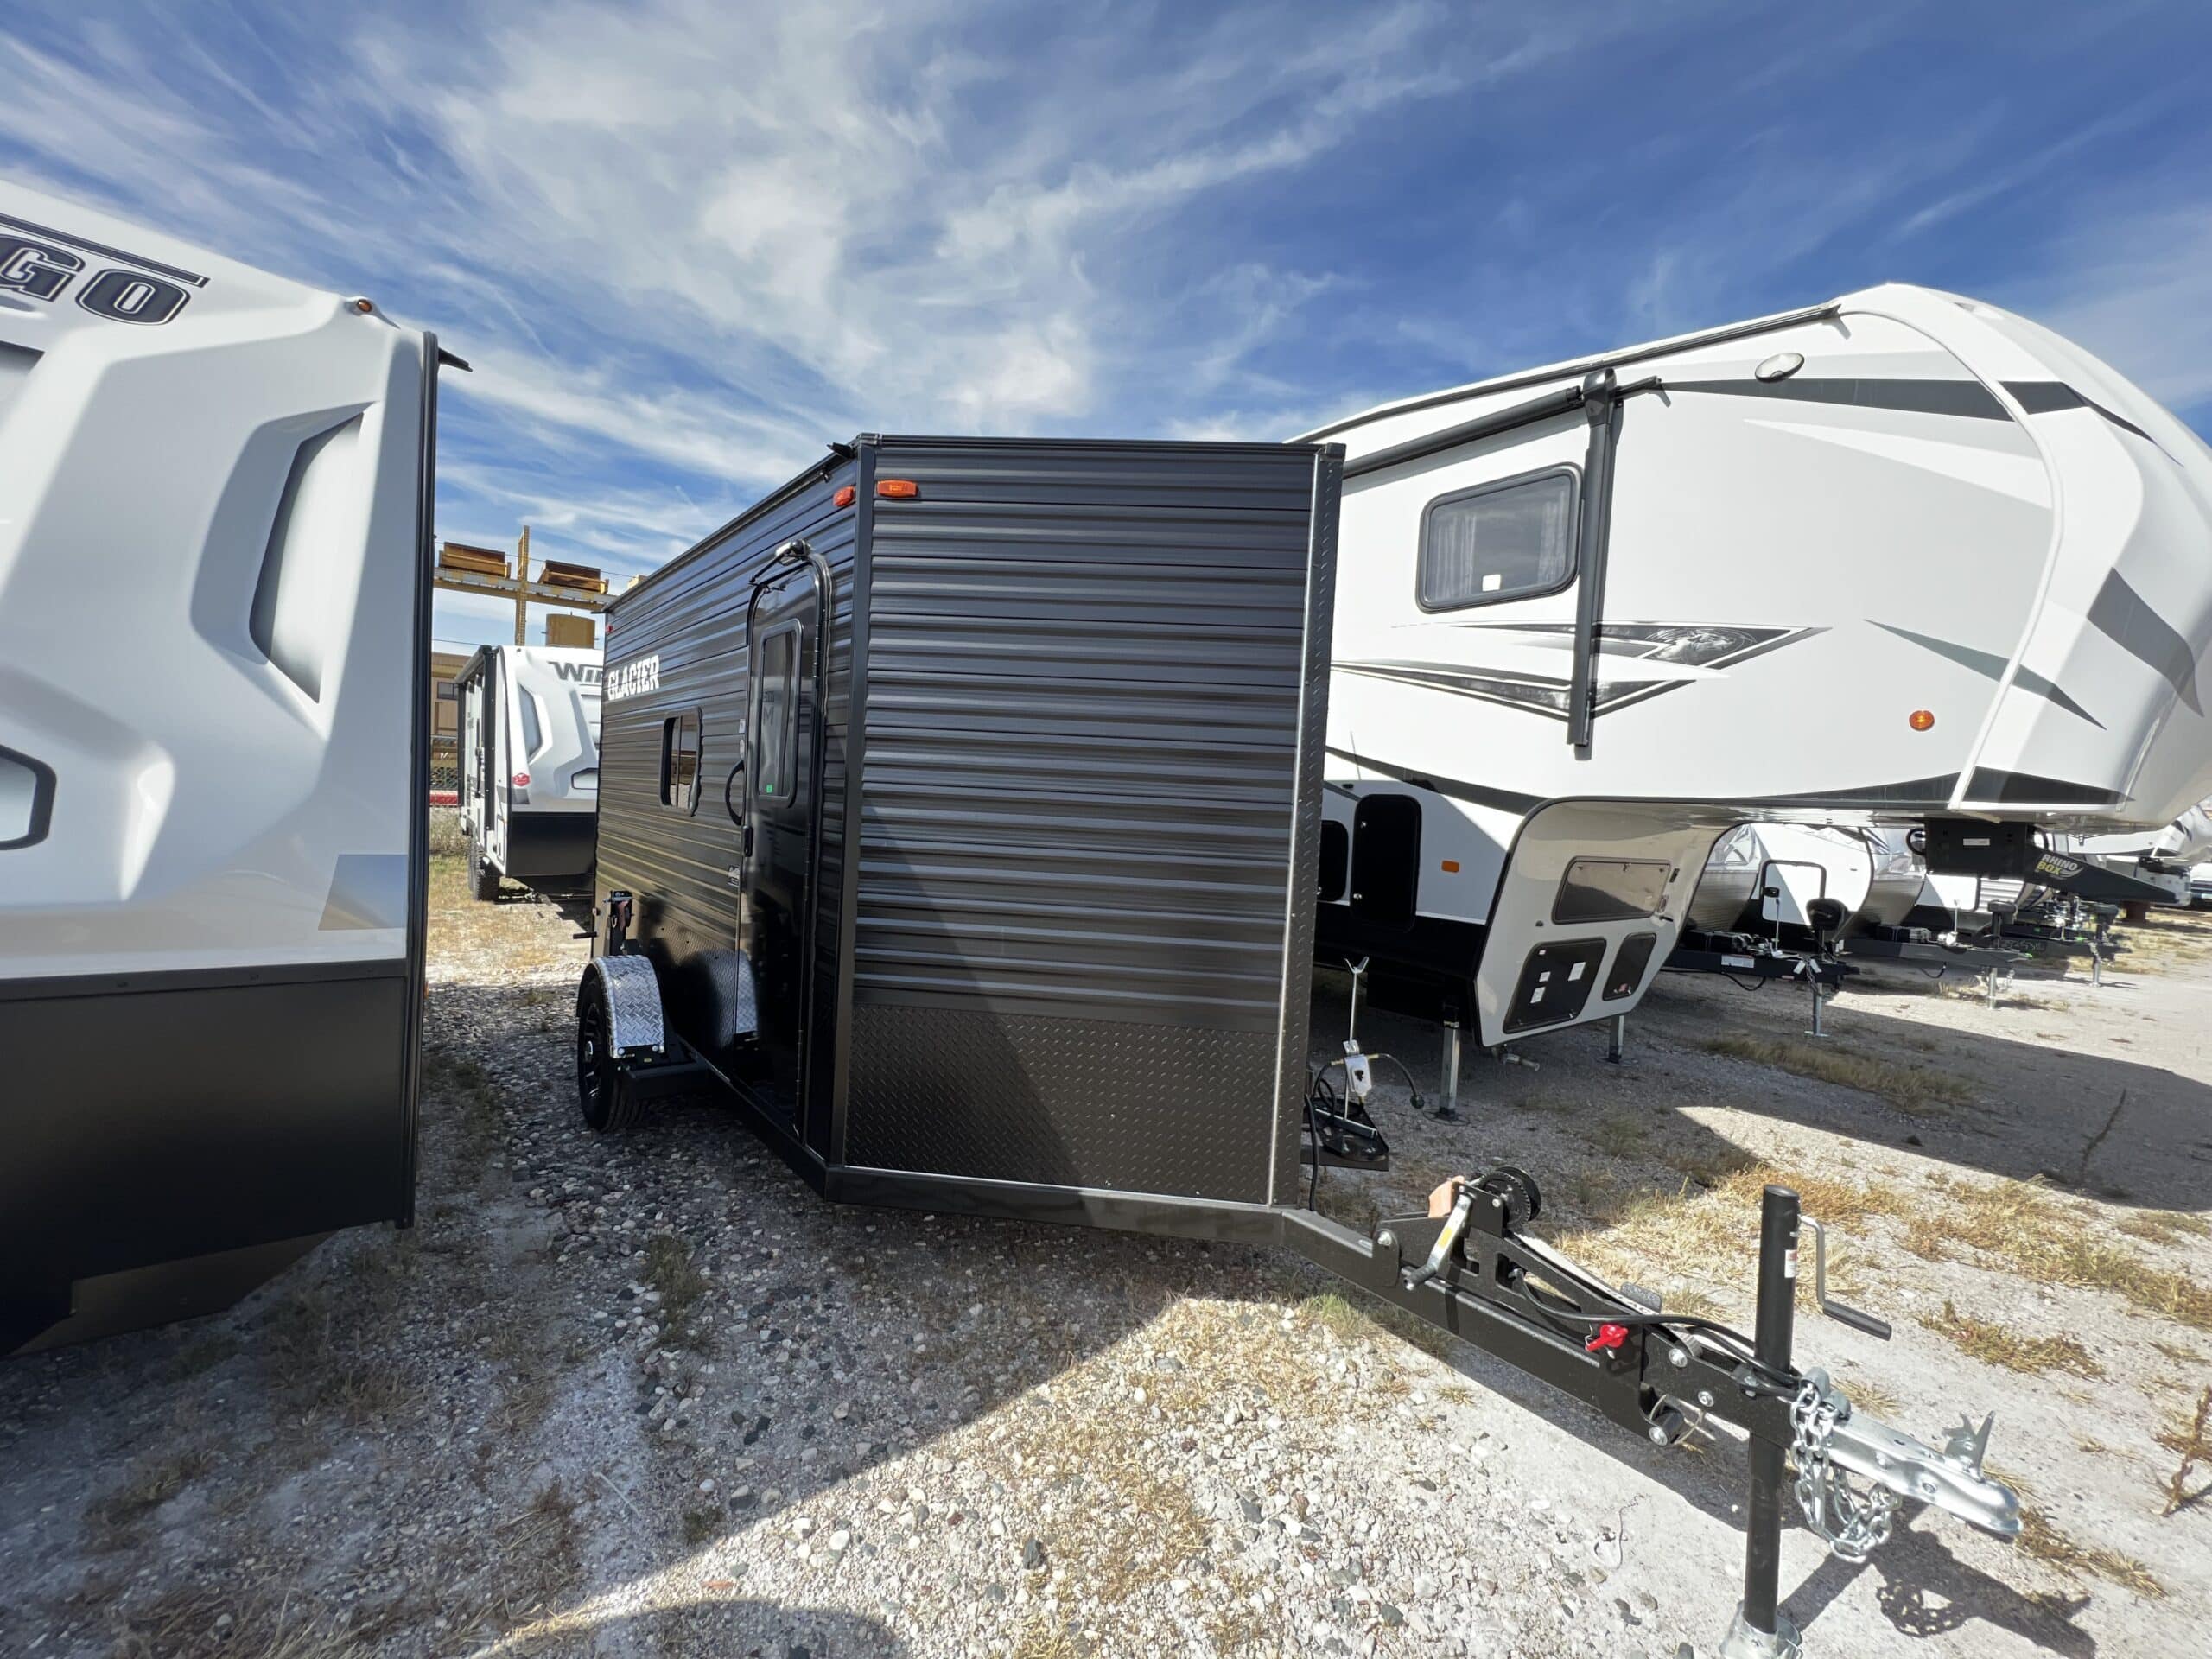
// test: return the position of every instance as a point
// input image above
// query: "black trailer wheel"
(607, 1107)
(483, 878)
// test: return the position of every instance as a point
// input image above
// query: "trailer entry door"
(783, 630)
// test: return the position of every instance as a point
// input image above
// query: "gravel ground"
(649, 1395)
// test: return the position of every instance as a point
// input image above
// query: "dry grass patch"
(1916, 1089)
(2020, 1226)
(2164, 1226)
(2169, 939)
(2042, 1539)
(2001, 1344)
(1639, 1234)
(186, 1622)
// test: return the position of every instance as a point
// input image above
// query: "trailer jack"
(1470, 1268)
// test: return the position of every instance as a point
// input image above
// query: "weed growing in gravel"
(2042, 1539)
(1914, 1088)
(458, 1082)
(1619, 1135)
(2001, 1344)
(1351, 1321)
(701, 1526)
(671, 1270)
(150, 1485)
(2190, 1440)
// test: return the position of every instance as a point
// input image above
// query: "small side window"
(679, 761)
(25, 799)
(1510, 539)
(775, 759)
(533, 734)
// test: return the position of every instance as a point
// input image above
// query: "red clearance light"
(897, 489)
(522, 781)
(1921, 720)
(845, 497)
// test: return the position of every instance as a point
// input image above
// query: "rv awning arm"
(1601, 400)
(1551, 405)
(1600, 396)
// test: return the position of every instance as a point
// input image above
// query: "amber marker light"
(1451, 867)
(897, 489)
(1921, 720)
(845, 497)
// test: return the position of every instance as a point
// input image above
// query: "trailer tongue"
(1475, 1273)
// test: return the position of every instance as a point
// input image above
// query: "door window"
(775, 759)
(1509, 539)
(679, 761)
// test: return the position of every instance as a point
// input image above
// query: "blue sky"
(687, 244)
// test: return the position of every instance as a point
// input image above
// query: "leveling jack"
(1469, 1266)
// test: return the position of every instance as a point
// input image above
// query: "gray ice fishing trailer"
(960, 812)
(529, 786)
(213, 648)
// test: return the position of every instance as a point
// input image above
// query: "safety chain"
(1853, 1524)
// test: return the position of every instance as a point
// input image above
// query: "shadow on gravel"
(1926, 1591)
(2026, 1111)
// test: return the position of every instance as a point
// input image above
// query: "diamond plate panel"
(1067, 1102)
(633, 1002)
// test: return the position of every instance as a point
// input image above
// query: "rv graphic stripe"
(2047, 397)
(1989, 664)
(1969, 399)
(2124, 616)
(1710, 645)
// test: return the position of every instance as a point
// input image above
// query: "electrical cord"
(1412, 1089)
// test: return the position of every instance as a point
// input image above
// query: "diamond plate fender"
(633, 1004)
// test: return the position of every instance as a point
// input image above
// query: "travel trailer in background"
(1761, 880)
(528, 749)
(213, 622)
(1553, 688)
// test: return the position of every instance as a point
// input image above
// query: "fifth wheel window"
(1506, 540)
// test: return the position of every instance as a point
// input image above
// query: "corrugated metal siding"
(1083, 700)
(692, 613)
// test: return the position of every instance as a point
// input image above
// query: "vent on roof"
(296, 610)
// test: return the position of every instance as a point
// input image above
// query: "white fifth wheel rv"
(530, 765)
(214, 628)
(1554, 688)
